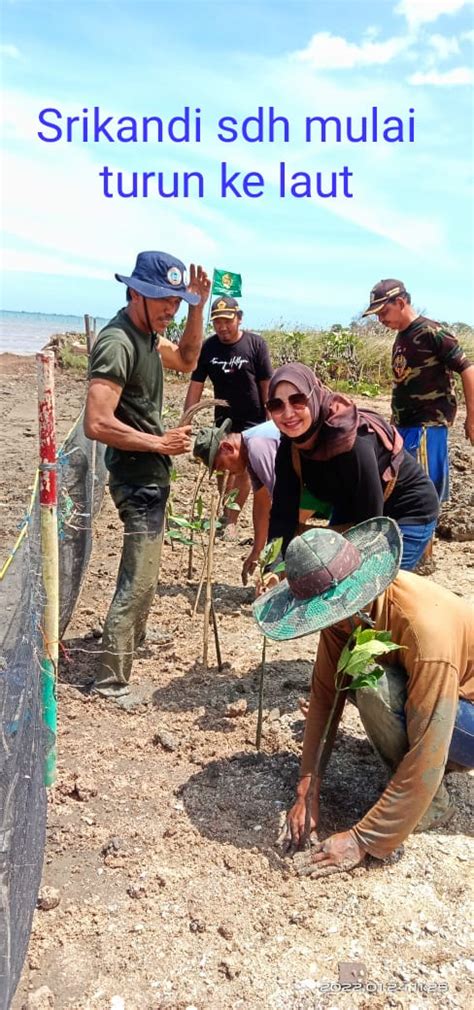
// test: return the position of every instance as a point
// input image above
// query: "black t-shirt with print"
(352, 485)
(235, 371)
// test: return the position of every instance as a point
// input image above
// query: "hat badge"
(221, 305)
(174, 276)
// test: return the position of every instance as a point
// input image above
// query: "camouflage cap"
(330, 577)
(382, 293)
(207, 442)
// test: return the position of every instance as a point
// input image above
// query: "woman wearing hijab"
(351, 459)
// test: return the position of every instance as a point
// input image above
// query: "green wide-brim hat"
(354, 568)
(207, 442)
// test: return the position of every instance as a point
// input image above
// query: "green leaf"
(199, 507)
(179, 521)
(343, 658)
(362, 655)
(368, 679)
(270, 552)
(230, 500)
(176, 535)
(279, 568)
(363, 645)
(369, 634)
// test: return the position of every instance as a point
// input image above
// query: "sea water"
(28, 332)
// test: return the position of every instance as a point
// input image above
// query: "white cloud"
(332, 52)
(419, 12)
(448, 78)
(443, 46)
(24, 261)
(11, 51)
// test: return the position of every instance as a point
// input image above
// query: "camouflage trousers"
(382, 713)
(142, 511)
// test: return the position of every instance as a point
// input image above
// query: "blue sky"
(307, 261)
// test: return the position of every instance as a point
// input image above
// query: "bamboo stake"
(90, 336)
(199, 480)
(48, 497)
(208, 597)
(258, 740)
(199, 588)
(216, 637)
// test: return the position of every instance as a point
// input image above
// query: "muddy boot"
(111, 692)
(154, 636)
(439, 811)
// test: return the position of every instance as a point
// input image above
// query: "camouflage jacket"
(423, 359)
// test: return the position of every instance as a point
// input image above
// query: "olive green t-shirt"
(128, 357)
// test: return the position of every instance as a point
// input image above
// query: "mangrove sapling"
(267, 556)
(209, 611)
(196, 502)
(355, 670)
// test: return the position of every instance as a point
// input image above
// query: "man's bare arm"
(193, 394)
(467, 378)
(183, 357)
(101, 424)
(262, 504)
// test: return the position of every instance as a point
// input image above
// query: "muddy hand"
(269, 581)
(291, 837)
(469, 428)
(176, 441)
(249, 567)
(337, 854)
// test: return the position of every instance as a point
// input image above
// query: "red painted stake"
(49, 554)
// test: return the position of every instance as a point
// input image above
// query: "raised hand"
(199, 282)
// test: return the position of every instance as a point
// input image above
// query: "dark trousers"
(142, 511)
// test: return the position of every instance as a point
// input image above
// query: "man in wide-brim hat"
(124, 410)
(251, 452)
(420, 719)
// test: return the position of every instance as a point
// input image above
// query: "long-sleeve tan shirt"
(437, 629)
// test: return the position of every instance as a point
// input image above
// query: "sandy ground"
(161, 837)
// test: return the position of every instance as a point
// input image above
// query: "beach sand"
(162, 824)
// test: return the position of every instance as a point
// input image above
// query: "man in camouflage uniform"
(424, 356)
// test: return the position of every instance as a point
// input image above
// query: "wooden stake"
(199, 588)
(199, 480)
(208, 597)
(258, 740)
(48, 497)
(216, 637)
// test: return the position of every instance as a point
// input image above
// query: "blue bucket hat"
(159, 275)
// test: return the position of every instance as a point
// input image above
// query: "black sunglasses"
(276, 405)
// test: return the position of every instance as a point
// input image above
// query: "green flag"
(225, 283)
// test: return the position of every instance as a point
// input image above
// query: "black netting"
(82, 478)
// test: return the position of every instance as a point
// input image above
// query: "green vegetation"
(67, 348)
(355, 359)
(351, 359)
